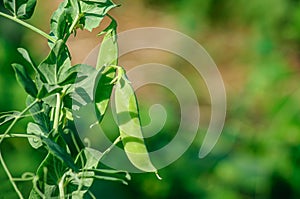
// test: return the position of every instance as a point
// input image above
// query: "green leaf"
(71, 75)
(27, 57)
(72, 139)
(22, 9)
(60, 153)
(85, 15)
(50, 171)
(130, 126)
(35, 129)
(24, 79)
(83, 92)
(92, 158)
(63, 18)
(47, 90)
(93, 12)
(57, 60)
(40, 113)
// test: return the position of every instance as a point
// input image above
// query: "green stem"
(16, 119)
(77, 18)
(18, 136)
(47, 36)
(10, 176)
(2, 138)
(74, 24)
(57, 112)
(35, 187)
(117, 140)
(61, 187)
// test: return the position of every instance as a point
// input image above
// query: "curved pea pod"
(130, 126)
(107, 59)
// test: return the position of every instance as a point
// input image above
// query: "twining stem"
(1, 140)
(16, 119)
(42, 33)
(57, 112)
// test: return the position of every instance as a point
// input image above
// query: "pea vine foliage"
(55, 96)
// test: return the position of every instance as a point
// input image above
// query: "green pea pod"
(107, 59)
(130, 126)
(102, 96)
(108, 52)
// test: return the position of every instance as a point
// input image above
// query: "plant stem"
(57, 112)
(18, 136)
(40, 32)
(16, 119)
(61, 187)
(2, 138)
(112, 146)
(74, 24)
(10, 176)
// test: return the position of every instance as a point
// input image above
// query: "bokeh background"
(256, 46)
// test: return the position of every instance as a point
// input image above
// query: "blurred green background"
(256, 46)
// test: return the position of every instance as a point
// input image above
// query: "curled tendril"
(27, 176)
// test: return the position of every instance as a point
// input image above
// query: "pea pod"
(130, 127)
(107, 58)
(108, 52)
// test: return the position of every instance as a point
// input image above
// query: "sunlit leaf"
(58, 59)
(22, 9)
(94, 11)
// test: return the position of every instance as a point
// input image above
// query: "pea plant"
(57, 90)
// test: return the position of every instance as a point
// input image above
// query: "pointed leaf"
(94, 11)
(48, 90)
(40, 112)
(22, 9)
(27, 57)
(63, 18)
(72, 139)
(58, 59)
(50, 171)
(60, 153)
(24, 79)
(70, 76)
